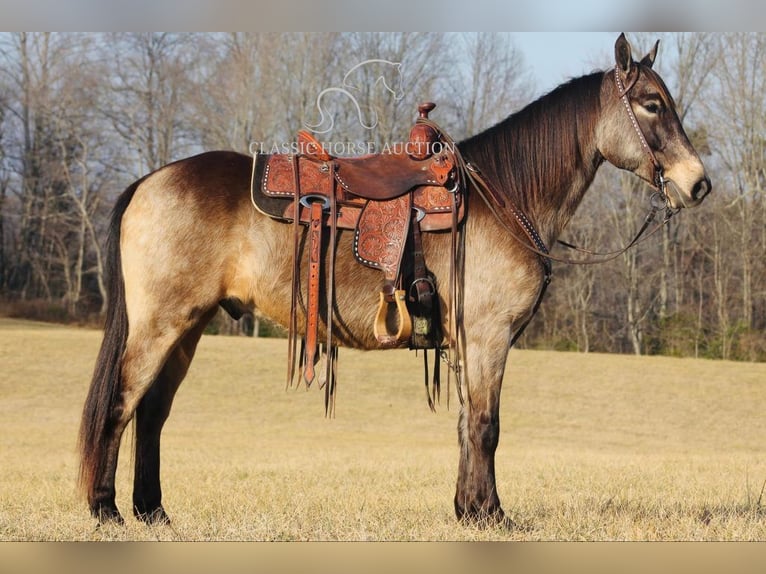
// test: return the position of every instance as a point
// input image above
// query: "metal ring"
(454, 187)
(421, 213)
(414, 285)
(424, 280)
(310, 198)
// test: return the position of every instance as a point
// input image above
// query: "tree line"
(84, 115)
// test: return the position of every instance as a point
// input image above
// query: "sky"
(561, 16)
(555, 57)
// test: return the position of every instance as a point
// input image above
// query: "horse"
(185, 240)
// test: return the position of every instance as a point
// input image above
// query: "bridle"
(622, 93)
(658, 181)
(659, 201)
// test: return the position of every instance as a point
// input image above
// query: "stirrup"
(380, 327)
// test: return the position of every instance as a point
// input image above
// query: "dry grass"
(593, 447)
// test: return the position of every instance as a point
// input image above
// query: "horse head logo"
(389, 75)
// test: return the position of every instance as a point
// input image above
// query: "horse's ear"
(648, 60)
(622, 54)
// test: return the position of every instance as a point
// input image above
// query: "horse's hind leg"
(149, 345)
(151, 414)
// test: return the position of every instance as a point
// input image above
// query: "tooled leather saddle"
(387, 199)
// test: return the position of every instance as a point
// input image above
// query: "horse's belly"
(264, 279)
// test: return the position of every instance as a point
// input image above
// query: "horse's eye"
(652, 107)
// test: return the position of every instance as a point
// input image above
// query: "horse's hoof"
(156, 517)
(483, 519)
(107, 514)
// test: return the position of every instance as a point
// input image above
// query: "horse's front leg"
(476, 498)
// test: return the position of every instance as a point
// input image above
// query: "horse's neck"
(553, 216)
(544, 157)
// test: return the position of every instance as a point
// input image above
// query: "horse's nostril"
(702, 188)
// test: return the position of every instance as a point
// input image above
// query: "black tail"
(105, 387)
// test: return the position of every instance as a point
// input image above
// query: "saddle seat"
(381, 176)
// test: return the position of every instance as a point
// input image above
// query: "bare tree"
(149, 85)
(31, 70)
(389, 75)
(492, 80)
(50, 167)
(687, 64)
(736, 104)
(230, 91)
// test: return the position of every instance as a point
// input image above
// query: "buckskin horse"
(186, 239)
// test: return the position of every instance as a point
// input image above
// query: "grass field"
(593, 447)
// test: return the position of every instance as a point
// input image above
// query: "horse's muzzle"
(678, 199)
